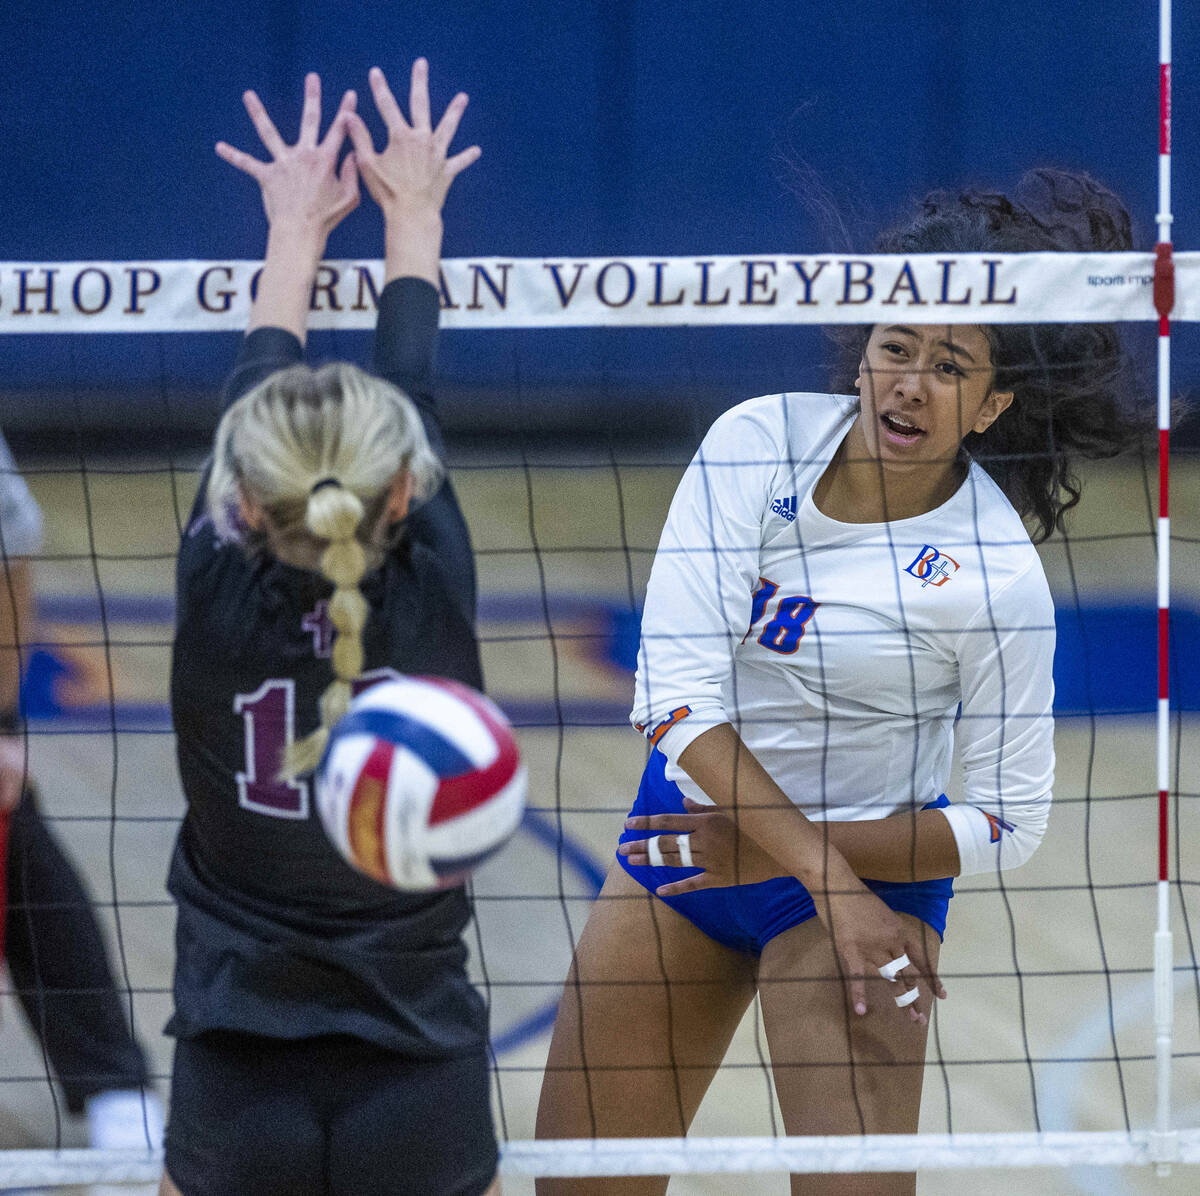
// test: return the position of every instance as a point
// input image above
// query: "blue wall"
(626, 126)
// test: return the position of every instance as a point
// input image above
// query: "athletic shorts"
(334, 1116)
(747, 917)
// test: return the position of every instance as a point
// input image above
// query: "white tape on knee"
(685, 851)
(654, 851)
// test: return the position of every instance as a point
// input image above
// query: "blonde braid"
(334, 514)
(319, 452)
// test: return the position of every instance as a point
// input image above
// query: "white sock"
(125, 1119)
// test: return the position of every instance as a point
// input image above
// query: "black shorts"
(326, 1117)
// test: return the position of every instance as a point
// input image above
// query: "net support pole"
(1164, 1142)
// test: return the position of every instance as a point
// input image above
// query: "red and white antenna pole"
(1164, 1147)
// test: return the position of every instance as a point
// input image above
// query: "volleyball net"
(1060, 1045)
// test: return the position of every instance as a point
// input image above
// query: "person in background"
(48, 932)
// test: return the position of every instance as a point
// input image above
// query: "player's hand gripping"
(713, 843)
(866, 933)
(870, 941)
(303, 190)
(411, 175)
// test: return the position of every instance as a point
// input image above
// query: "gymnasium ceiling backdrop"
(609, 127)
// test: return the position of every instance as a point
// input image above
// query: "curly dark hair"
(1074, 395)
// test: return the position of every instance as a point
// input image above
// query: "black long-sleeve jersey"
(276, 934)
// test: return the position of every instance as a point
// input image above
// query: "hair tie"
(320, 485)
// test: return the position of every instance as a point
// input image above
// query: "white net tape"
(585, 1157)
(629, 292)
(816, 1155)
(68, 1168)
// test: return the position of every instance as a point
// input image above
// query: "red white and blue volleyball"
(420, 783)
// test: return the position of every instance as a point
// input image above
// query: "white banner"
(628, 292)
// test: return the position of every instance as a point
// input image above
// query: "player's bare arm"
(866, 934)
(904, 847)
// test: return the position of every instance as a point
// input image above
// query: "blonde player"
(328, 1039)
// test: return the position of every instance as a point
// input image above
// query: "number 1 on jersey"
(269, 721)
(269, 725)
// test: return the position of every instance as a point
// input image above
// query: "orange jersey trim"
(676, 716)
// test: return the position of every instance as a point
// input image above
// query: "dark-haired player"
(844, 591)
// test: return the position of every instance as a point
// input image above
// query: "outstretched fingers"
(360, 138)
(456, 165)
(348, 180)
(310, 114)
(339, 126)
(303, 187)
(385, 102)
(268, 134)
(448, 125)
(418, 96)
(240, 160)
(411, 173)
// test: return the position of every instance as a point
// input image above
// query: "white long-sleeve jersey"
(841, 652)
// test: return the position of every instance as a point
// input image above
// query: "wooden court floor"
(1052, 968)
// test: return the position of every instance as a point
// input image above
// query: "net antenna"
(1164, 1142)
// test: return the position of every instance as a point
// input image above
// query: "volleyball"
(420, 782)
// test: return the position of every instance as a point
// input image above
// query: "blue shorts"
(747, 917)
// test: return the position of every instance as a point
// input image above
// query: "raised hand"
(305, 196)
(302, 188)
(412, 173)
(409, 178)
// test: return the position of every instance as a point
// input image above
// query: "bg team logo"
(934, 568)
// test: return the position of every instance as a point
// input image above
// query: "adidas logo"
(785, 507)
